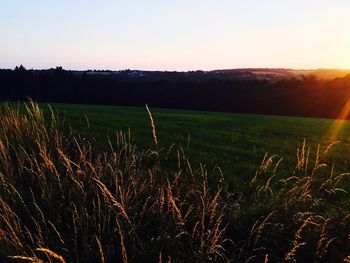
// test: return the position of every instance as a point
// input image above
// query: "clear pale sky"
(175, 34)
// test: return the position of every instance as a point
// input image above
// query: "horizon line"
(191, 70)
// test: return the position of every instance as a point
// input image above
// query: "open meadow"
(234, 142)
(67, 195)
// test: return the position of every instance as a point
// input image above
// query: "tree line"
(305, 96)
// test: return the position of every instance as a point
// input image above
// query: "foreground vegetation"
(62, 199)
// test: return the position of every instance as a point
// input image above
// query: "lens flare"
(339, 122)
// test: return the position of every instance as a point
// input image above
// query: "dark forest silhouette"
(305, 96)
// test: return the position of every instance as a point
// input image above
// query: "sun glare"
(339, 122)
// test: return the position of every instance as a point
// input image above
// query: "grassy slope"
(235, 142)
(126, 205)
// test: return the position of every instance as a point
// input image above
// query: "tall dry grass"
(59, 194)
(61, 200)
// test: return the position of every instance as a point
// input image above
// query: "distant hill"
(278, 73)
(240, 73)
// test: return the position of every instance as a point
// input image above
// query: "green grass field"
(235, 142)
(64, 197)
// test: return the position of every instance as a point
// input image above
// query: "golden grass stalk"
(154, 133)
(52, 254)
(100, 250)
(113, 200)
(122, 242)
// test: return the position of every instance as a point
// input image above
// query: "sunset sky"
(175, 35)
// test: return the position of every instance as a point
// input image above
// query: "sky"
(175, 34)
